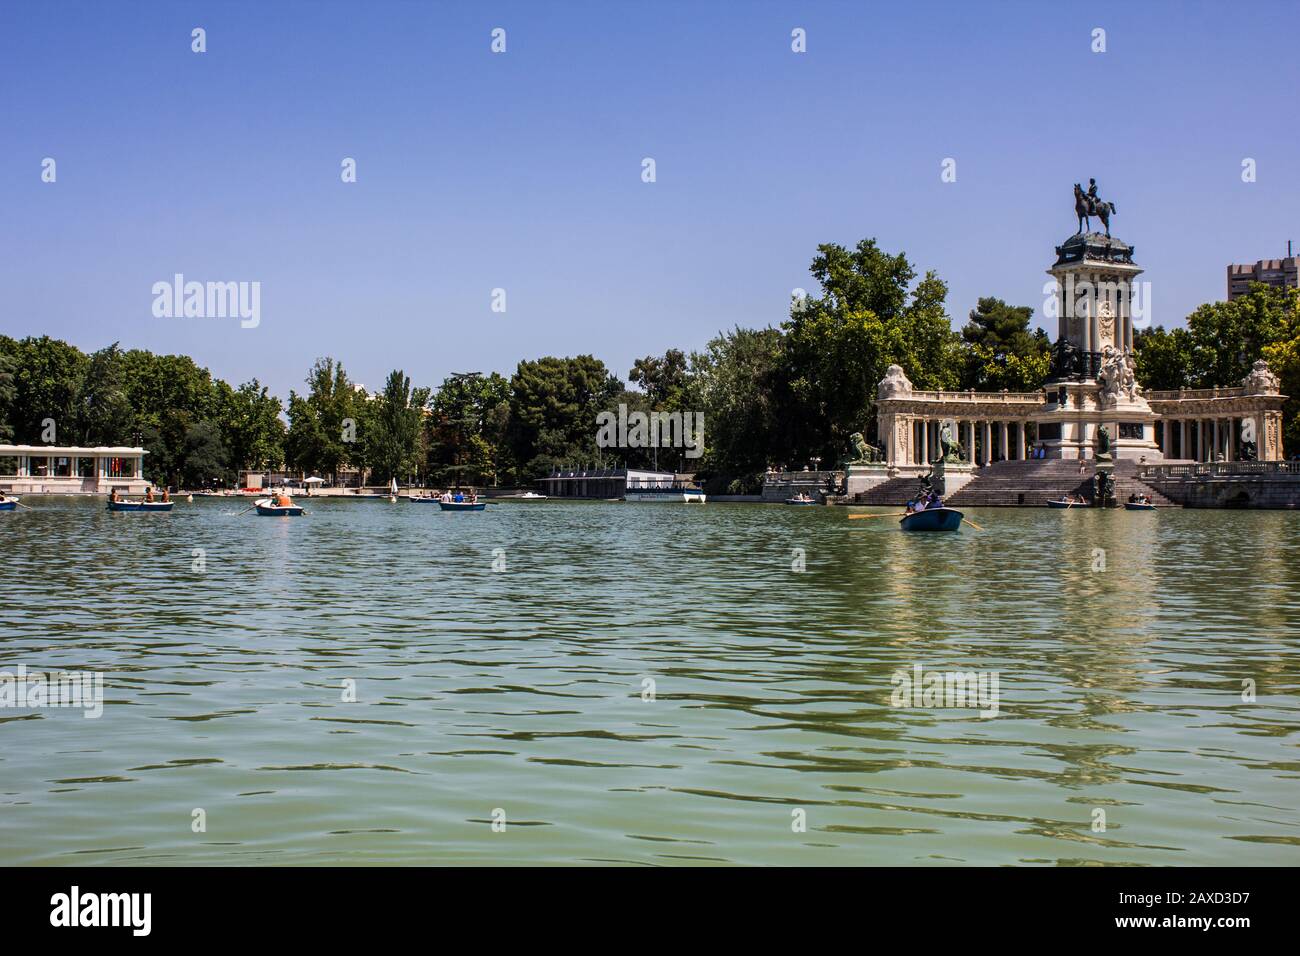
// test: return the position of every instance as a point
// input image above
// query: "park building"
(71, 470)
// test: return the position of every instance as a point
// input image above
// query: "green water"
(522, 690)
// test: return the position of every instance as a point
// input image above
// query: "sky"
(523, 170)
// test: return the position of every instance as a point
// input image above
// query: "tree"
(1001, 351)
(1163, 359)
(734, 384)
(104, 414)
(205, 456)
(7, 390)
(251, 427)
(466, 431)
(662, 379)
(839, 345)
(553, 408)
(323, 428)
(48, 375)
(393, 430)
(1221, 343)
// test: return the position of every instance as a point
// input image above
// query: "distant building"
(1279, 273)
(71, 470)
(628, 484)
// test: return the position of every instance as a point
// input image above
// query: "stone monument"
(1092, 382)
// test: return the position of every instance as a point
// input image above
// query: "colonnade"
(997, 440)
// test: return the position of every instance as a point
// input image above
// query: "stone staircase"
(895, 491)
(1128, 483)
(1027, 484)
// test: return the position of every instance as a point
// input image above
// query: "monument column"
(925, 441)
(1020, 441)
(970, 448)
(1002, 438)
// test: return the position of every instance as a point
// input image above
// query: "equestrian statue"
(1087, 204)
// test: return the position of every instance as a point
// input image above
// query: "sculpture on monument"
(935, 483)
(1089, 204)
(1065, 360)
(1103, 443)
(1112, 374)
(1261, 380)
(1249, 448)
(1103, 489)
(895, 384)
(951, 450)
(861, 453)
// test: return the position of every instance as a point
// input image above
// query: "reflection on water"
(522, 691)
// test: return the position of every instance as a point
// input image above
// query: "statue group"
(1118, 376)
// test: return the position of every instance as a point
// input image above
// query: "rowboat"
(932, 519)
(1139, 506)
(462, 505)
(140, 505)
(8, 504)
(422, 500)
(800, 500)
(1063, 503)
(264, 507)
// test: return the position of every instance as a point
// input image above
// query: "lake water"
(521, 692)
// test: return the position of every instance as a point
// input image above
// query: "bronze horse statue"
(1085, 206)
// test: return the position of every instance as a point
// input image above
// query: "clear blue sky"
(523, 170)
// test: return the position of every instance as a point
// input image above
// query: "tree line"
(780, 393)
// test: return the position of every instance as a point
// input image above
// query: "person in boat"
(166, 495)
(148, 494)
(459, 497)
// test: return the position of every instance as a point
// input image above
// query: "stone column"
(1002, 441)
(925, 441)
(970, 448)
(1020, 441)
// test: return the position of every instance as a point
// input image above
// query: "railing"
(1226, 469)
(1173, 395)
(976, 397)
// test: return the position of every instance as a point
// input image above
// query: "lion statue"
(862, 453)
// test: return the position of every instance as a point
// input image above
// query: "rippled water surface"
(522, 691)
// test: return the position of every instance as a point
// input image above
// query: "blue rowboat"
(140, 505)
(8, 504)
(800, 501)
(264, 507)
(423, 501)
(462, 505)
(1138, 506)
(932, 519)
(1062, 503)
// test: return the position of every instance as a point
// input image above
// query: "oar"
(974, 525)
(896, 514)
